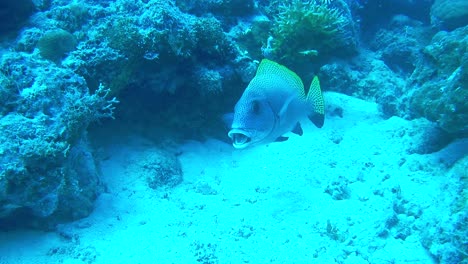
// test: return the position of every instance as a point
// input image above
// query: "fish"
(273, 104)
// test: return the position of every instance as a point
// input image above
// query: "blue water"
(114, 149)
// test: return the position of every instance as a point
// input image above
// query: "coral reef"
(411, 72)
(367, 77)
(399, 44)
(221, 9)
(303, 30)
(449, 14)
(442, 82)
(48, 172)
(253, 38)
(55, 44)
(154, 47)
(161, 169)
(209, 82)
(376, 14)
(178, 65)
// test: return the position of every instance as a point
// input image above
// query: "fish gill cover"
(177, 66)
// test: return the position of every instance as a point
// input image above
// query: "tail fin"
(315, 99)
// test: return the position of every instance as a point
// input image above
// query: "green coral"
(307, 29)
(55, 44)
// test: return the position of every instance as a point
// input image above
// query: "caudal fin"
(315, 100)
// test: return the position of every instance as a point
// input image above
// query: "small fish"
(273, 104)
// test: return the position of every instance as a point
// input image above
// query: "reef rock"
(450, 14)
(47, 170)
(441, 82)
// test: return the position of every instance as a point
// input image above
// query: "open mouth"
(239, 138)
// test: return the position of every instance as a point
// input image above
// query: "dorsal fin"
(271, 68)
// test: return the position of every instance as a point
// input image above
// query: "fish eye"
(256, 107)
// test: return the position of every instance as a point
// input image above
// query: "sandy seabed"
(351, 192)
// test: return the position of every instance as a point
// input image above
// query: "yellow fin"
(268, 67)
(315, 98)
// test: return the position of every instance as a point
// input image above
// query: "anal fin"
(298, 129)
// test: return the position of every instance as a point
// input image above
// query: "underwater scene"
(234, 131)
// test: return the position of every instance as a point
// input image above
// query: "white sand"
(269, 204)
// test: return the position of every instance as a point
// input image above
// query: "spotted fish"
(273, 104)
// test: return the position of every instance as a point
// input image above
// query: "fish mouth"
(240, 139)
